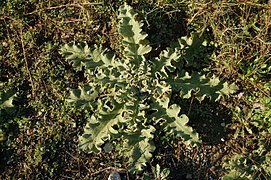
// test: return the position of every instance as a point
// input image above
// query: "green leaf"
(6, 99)
(133, 36)
(165, 173)
(173, 123)
(232, 175)
(164, 63)
(228, 89)
(194, 48)
(83, 97)
(179, 125)
(79, 54)
(100, 128)
(141, 147)
(2, 135)
(202, 86)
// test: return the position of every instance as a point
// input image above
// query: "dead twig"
(62, 6)
(26, 63)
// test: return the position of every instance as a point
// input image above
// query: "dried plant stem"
(62, 6)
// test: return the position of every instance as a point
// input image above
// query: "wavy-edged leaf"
(179, 125)
(194, 48)
(83, 97)
(164, 64)
(100, 128)
(140, 147)
(202, 86)
(79, 53)
(172, 122)
(133, 36)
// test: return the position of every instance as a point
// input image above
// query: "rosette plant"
(130, 96)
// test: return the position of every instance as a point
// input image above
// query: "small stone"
(114, 176)
(108, 147)
(240, 95)
(74, 125)
(5, 44)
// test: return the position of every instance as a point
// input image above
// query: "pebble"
(5, 44)
(114, 176)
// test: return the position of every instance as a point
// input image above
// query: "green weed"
(39, 134)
